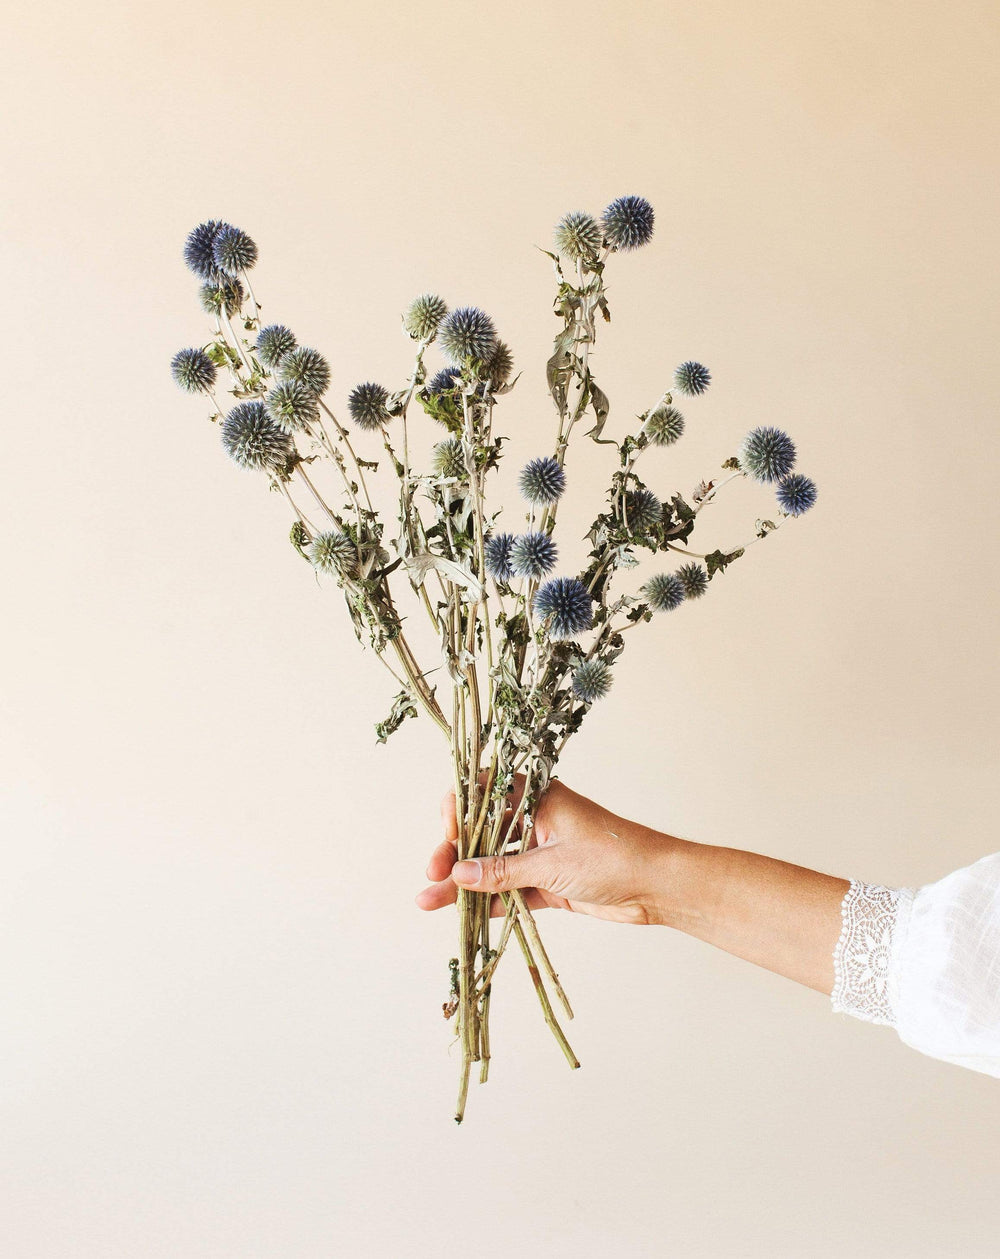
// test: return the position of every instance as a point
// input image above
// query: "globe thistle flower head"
(199, 249)
(423, 316)
(692, 378)
(643, 510)
(448, 460)
(467, 333)
(500, 364)
(367, 405)
(333, 552)
(542, 480)
(446, 378)
(567, 605)
(767, 454)
(533, 554)
(664, 426)
(292, 406)
(577, 235)
(498, 556)
(665, 591)
(694, 578)
(592, 680)
(252, 439)
(306, 367)
(796, 493)
(233, 250)
(193, 370)
(225, 293)
(273, 343)
(627, 223)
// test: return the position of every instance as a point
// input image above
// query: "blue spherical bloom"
(500, 365)
(253, 439)
(446, 378)
(592, 680)
(198, 249)
(193, 370)
(292, 406)
(533, 554)
(665, 591)
(225, 292)
(692, 378)
(767, 454)
(467, 333)
(694, 578)
(308, 367)
(233, 250)
(568, 605)
(498, 556)
(796, 493)
(542, 480)
(628, 223)
(273, 343)
(643, 510)
(367, 405)
(577, 235)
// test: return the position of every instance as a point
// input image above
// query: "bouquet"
(526, 648)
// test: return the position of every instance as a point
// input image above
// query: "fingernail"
(467, 872)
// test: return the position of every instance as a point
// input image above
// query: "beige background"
(220, 1011)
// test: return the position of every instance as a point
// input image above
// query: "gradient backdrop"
(220, 1009)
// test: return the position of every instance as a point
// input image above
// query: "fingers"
(533, 868)
(446, 893)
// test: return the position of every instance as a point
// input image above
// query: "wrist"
(681, 887)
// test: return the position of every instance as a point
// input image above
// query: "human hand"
(580, 857)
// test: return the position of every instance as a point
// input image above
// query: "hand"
(580, 857)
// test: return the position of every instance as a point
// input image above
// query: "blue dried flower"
(500, 365)
(292, 406)
(692, 378)
(307, 367)
(253, 439)
(567, 601)
(198, 249)
(664, 426)
(665, 591)
(423, 316)
(448, 459)
(796, 493)
(467, 333)
(694, 578)
(273, 343)
(497, 555)
(446, 378)
(592, 680)
(333, 552)
(643, 510)
(542, 480)
(577, 235)
(767, 454)
(233, 250)
(193, 370)
(224, 291)
(367, 405)
(533, 554)
(628, 223)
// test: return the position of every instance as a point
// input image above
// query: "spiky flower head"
(467, 333)
(446, 378)
(273, 343)
(665, 591)
(193, 370)
(497, 554)
(767, 454)
(253, 439)
(643, 510)
(796, 493)
(567, 603)
(664, 426)
(292, 406)
(307, 367)
(592, 680)
(447, 458)
(694, 578)
(333, 552)
(225, 292)
(500, 364)
(198, 249)
(367, 405)
(233, 250)
(533, 554)
(628, 223)
(542, 480)
(423, 316)
(577, 235)
(692, 377)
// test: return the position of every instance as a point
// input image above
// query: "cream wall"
(220, 1011)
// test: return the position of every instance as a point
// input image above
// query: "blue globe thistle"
(497, 555)
(664, 426)
(446, 378)
(333, 552)
(568, 604)
(253, 439)
(273, 343)
(193, 370)
(233, 250)
(542, 480)
(292, 406)
(367, 405)
(592, 680)
(692, 378)
(448, 459)
(796, 493)
(694, 578)
(628, 223)
(307, 367)
(225, 292)
(577, 235)
(423, 316)
(199, 249)
(767, 454)
(533, 554)
(643, 510)
(665, 591)
(500, 364)
(467, 333)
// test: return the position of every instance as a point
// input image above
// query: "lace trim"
(863, 953)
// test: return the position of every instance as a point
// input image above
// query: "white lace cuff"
(862, 961)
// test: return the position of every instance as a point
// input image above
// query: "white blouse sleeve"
(927, 962)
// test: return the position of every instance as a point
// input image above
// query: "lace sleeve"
(863, 956)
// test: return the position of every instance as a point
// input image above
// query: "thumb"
(500, 874)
